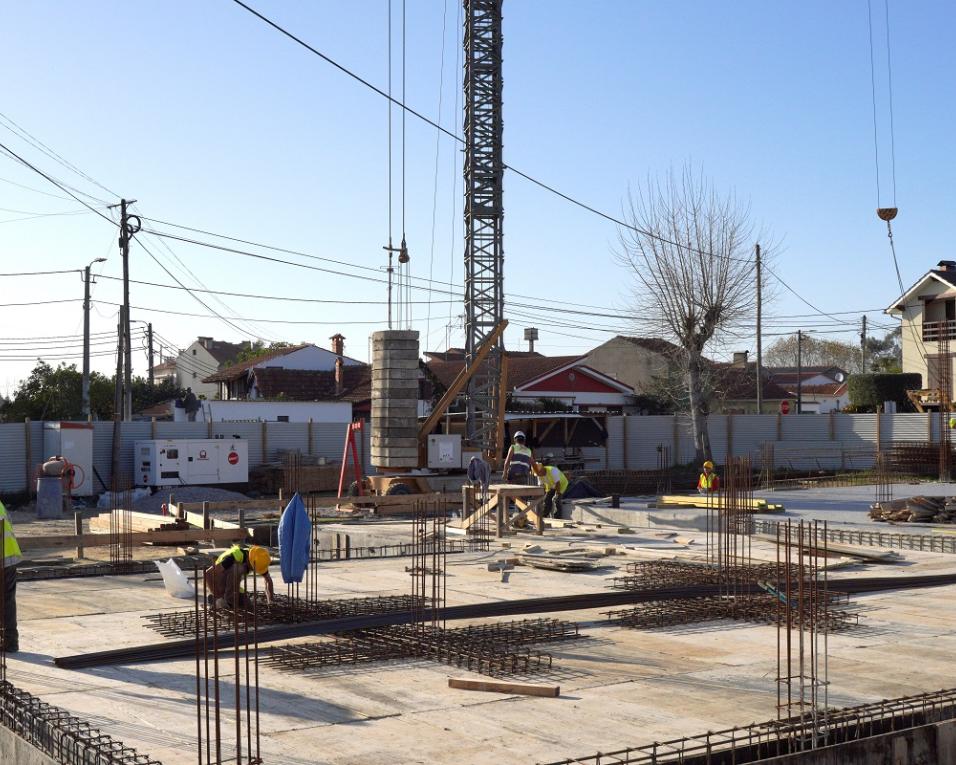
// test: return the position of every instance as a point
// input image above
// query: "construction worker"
(11, 557)
(555, 483)
(709, 481)
(518, 461)
(226, 576)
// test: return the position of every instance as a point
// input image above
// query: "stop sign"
(784, 407)
(233, 458)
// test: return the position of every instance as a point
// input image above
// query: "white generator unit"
(73, 441)
(190, 461)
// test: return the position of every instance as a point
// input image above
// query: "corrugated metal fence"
(632, 441)
(266, 440)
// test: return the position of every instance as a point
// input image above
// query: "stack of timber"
(756, 505)
(916, 510)
(140, 522)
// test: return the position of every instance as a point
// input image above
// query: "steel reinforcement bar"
(922, 542)
(594, 600)
(62, 736)
(774, 738)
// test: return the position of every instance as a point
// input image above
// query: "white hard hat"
(519, 434)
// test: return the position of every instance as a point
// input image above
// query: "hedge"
(870, 391)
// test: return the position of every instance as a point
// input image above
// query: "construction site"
(641, 589)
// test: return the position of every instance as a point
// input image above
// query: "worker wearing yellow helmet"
(225, 578)
(709, 481)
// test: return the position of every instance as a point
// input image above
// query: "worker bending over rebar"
(227, 575)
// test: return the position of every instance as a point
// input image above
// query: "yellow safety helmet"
(259, 559)
(709, 464)
(952, 422)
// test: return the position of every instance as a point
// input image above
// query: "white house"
(202, 358)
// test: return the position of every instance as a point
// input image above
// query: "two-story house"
(928, 314)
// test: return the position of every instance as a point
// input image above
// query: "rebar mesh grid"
(498, 649)
(775, 738)
(61, 735)
(174, 624)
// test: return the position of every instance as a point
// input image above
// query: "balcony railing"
(934, 331)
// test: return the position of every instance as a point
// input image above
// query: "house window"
(194, 351)
(951, 310)
(194, 375)
(282, 418)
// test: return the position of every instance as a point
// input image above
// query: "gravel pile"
(154, 503)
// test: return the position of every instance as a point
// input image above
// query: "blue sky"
(211, 119)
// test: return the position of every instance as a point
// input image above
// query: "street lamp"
(86, 336)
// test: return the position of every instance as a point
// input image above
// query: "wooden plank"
(155, 537)
(138, 521)
(481, 512)
(530, 511)
(497, 686)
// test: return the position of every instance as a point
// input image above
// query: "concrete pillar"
(395, 399)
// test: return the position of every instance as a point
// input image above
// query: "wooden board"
(495, 686)
(52, 541)
(702, 502)
(138, 521)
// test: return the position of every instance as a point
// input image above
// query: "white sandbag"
(177, 585)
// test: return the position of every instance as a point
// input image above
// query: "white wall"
(270, 411)
(311, 358)
(192, 365)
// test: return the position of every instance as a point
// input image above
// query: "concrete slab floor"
(619, 687)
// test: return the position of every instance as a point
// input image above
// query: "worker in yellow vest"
(709, 481)
(11, 558)
(555, 483)
(518, 461)
(226, 576)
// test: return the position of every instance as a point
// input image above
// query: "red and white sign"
(784, 407)
(203, 455)
(233, 458)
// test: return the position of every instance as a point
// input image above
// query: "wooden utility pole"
(799, 371)
(863, 346)
(759, 346)
(149, 336)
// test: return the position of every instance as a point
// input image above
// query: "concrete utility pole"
(799, 371)
(149, 335)
(759, 346)
(863, 346)
(86, 337)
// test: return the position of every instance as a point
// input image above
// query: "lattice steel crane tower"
(484, 215)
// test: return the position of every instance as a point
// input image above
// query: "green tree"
(57, 394)
(258, 348)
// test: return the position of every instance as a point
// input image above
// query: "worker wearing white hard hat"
(518, 461)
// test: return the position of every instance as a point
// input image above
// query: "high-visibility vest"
(553, 478)
(11, 548)
(235, 552)
(521, 455)
(708, 481)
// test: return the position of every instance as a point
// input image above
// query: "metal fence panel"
(644, 436)
(856, 428)
(615, 442)
(751, 432)
(907, 427)
(181, 430)
(285, 437)
(805, 427)
(13, 462)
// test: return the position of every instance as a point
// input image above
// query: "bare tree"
(690, 251)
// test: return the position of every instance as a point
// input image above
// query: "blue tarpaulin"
(295, 540)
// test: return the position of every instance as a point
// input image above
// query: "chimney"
(740, 358)
(530, 334)
(339, 382)
(338, 345)
(946, 265)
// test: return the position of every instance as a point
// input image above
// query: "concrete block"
(383, 434)
(394, 443)
(388, 452)
(385, 335)
(389, 422)
(409, 375)
(401, 397)
(390, 463)
(396, 403)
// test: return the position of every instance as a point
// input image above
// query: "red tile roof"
(829, 389)
(735, 383)
(306, 385)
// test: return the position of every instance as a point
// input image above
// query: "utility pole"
(863, 346)
(149, 335)
(122, 389)
(759, 346)
(86, 338)
(799, 371)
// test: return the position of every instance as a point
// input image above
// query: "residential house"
(264, 377)
(927, 311)
(822, 389)
(202, 358)
(547, 383)
(638, 362)
(735, 389)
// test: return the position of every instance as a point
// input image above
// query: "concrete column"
(395, 399)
